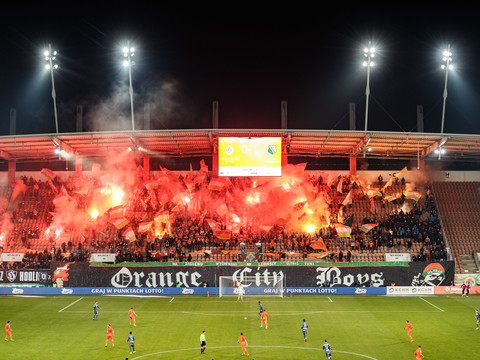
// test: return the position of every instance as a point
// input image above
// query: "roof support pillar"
(353, 165)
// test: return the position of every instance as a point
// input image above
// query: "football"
(245, 318)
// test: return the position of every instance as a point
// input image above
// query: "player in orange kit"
(264, 319)
(418, 353)
(109, 335)
(408, 327)
(8, 330)
(132, 315)
(244, 344)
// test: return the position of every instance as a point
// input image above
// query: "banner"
(7, 257)
(103, 258)
(22, 276)
(402, 257)
(414, 274)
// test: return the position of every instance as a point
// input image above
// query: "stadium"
(144, 219)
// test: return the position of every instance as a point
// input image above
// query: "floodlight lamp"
(47, 67)
(126, 63)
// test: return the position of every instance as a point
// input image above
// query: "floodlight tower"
(369, 54)
(447, 58)
(50, 57)
(128, 53)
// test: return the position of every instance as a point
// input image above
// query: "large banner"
(25, 276)
(414, 274)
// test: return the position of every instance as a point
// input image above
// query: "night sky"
(246, 57)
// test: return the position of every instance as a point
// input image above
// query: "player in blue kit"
(328, 350)
(261, 310)
(477, 317)
(95, 310)
(304, 330)
(131, 342)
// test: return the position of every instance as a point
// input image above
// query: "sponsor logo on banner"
(17, 291)
(188, 291)
(360, 291)
(67, 291)
(432, 275)
(410, 290)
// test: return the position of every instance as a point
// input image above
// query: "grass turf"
(357, 327)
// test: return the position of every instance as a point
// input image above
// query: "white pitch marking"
(429, 303)
(172, 299)
(226, 347)
(70, 304)
(329, 299)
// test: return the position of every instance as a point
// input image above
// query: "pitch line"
(172, 299)
(70, 304)
(250, 346)
(429, 303)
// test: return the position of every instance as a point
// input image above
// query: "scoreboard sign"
(249, 156)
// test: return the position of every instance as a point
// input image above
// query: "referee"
(203, 342)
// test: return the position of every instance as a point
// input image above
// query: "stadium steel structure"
(203, 142)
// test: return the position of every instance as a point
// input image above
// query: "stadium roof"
(202, 142)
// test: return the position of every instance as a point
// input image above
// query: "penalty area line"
(172, 299)
(253, 346)
(429, 303)
(66, 307)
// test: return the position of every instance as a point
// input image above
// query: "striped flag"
(403, 171)
(342, 230)
(120, 223)
(49, 174)
(367, 227)
(116, 212)
(348, 199)
(371, 193)
(389, 182)
(129, 234)
(144, 226)
(390, 198)
(212, 223)
(151, 184)
(340, 216)
(413, 195)
(217, 184)
(162, 216)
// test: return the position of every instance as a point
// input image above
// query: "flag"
(367, 227)
(120, 223)
(413, 195)
(199, 179)
(300, 205)
(116, 212)
(222, 209)
(190, 184)
(203, 167)
(389, 182)
(342, 230)
(103, 233)
(217, 184)
(339, 186)
(222, 234)
(151, 184)
(340, 216)
(212, 223)
(348, 199)
(371, 193)
(49, 174)
(144, 226)
(349, 221)
(302, 217)
(60, 200)
(129, 234)
(390, 198)
(228, 197)
(318, 244)
(162, 216)
(265, 228)
(403, 171)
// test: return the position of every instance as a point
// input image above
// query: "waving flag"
(49, 174)
(129, 234)
(390, 198)
(403, 171)
(371, 193)
(389, 182)
(120, 223)
(212, 223)
(116, 212)
(203, 167)
(342, 230)
(217, 184)
(413, 195)
(162, 216)
(61, 200)
(222, 209)
(348, 199)
(144, 226)
(367, 227)
(318, 245)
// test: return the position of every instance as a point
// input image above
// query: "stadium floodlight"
(447, 58)
(369, 54)
(50, 57)
(128, 53)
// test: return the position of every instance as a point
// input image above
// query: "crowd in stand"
(190, 234)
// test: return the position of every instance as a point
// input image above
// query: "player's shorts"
(203, 343)
(304, 331)
(328, 353)
(109, 337)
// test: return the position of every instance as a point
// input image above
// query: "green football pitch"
(357, 327)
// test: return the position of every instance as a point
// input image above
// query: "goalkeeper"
(241, 291)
